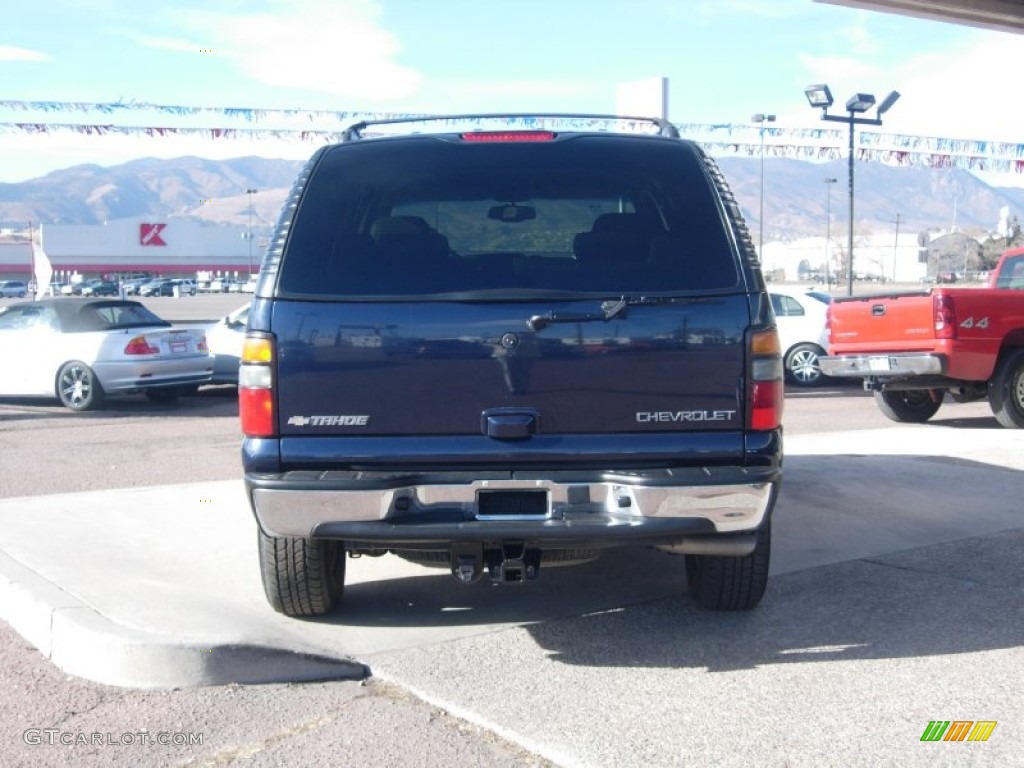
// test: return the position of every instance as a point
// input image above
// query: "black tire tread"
(295, 574)
(893, 406)
(723, 583)
(1001, 391)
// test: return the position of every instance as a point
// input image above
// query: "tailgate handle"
(504, 424)
(877, 310)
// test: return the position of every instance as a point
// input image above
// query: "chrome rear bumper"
(635, 507)
(884, 365)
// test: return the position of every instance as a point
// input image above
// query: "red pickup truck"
(912, 348)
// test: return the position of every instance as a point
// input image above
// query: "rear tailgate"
(471, 379)
(881, 323)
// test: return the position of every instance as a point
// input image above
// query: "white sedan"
(226, 338)
(800, 317)
(81, 350)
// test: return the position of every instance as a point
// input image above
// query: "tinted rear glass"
(437, 216)
(109, 316)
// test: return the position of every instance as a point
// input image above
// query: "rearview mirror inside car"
(512, 213)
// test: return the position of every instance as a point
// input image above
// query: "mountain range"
(797, 201)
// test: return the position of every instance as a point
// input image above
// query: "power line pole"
(895, 247)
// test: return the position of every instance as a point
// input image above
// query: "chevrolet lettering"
(648, 416)
(548, 336)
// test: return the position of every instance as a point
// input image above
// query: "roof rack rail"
(665, 128)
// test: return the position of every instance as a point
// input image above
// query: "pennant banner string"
(809, 144)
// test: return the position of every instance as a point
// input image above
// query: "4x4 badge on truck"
(340, 420)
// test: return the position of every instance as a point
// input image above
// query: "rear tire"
(77, 387)
(301, 577)
(1006, 391)
(803, 365)
(907, 406)
(721, 583)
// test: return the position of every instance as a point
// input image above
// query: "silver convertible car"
(81, 350)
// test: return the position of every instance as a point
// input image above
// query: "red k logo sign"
(149, 234)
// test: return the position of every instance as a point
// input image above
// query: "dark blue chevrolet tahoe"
(508, 343)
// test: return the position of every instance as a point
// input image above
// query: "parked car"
(222, 284)
(800, 316)
(499, 350)
(225, 339)
(83, 350)
(133, 284)
(173, 287)
(101, 288)
(13, 289)
(77, 289)
(155, 287)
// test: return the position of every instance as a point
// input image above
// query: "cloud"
(858, 38)
(336, 47)
(170, 44)
(963, 91)
(966, 92)
(837, 71)
(13, 53)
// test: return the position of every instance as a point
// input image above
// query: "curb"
(84, 643)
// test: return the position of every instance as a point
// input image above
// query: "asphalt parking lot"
(895, 600)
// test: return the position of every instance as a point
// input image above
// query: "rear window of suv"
(437, 216)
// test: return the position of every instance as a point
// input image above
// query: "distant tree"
(994, 245)
(956, 252)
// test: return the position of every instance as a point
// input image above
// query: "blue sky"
(725, 60)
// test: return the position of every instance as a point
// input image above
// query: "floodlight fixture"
(860, 102)
(818, 96)
(888, 102)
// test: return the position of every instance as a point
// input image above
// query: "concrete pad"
(840, 665)
(160, 586)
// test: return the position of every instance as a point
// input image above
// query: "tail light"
(765, 389)
(944, 314)
(140, 346)
(828, 326)
(256, 387)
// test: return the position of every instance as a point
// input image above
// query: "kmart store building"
(167, 247)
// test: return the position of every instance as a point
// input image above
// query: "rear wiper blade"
(609, 310)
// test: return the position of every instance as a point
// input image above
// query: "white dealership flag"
(41, 269)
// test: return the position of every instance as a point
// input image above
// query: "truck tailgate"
(897, 321)
(371, 369)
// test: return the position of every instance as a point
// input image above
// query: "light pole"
(819, 96)
(248, 236)
(762, 119)
(828, 229)
(896, 246)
